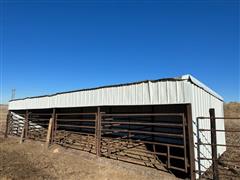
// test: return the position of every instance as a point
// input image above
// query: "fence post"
(98, 132)
(22, 135)
(53, 126)
(25, 134)
(7, 124)
(49, 133)
(214, 144)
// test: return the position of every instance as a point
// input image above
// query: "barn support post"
(7, 124)
(53, 125)
(26, 125)
(98, 132)
(214, 144)
(191, 142)
(49, 132)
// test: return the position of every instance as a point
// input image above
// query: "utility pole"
(13, 94)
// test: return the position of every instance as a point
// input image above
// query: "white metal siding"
(161, 92)
(201, 102)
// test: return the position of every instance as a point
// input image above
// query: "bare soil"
(31, 160)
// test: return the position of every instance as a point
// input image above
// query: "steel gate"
(152, 139)
(75, 130)
(226, 166)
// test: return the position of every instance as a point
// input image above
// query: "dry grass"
(31, 160)
(232, 169)
(232, 109)
(3, 116)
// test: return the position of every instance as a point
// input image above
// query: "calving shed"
(150, 122)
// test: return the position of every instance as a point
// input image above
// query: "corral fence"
(75, 130)
(151, 139)
(15, 124)
(222, 166)
(28, 125)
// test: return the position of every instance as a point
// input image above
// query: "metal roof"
(187, 77)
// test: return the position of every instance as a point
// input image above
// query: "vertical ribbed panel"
(145, 93)
(202, 101)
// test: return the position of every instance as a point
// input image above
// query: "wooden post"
(24, 128)
(53, 125)
(22, 135)
(190, 142)
(98, 132)
(214, 144)
(26, 125)
(7, 124)
(49, 132)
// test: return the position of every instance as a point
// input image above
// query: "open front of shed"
(152, 123)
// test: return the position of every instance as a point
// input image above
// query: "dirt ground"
(31, 160)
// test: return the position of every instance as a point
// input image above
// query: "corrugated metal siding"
(161, 92)
(202, 101)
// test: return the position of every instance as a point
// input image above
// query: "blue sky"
(51, 46)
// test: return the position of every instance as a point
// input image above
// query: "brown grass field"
(31, 160)
(232, 169)
(3, 116)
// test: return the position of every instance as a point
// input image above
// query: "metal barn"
(150, 122)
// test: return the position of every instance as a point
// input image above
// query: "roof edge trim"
(201, 85)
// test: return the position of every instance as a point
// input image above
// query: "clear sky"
(67, 45)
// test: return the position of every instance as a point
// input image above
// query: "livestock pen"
(152, 122)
